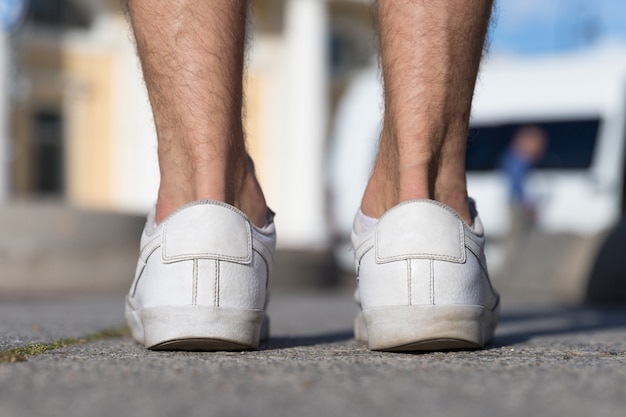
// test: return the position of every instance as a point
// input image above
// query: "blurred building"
(81, 127)
(79, 119)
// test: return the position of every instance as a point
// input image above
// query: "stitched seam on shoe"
(217, 283)
(363, 248)
(405, 256)
(474, 246)
(483, 266)
(432, 282)
(149, 249)
(479, 259)
(369, 240)
(206, 255)
(136, 280)
(265, 253)
(472, 237)
(267, 268)
(194, 297)
(408, 274)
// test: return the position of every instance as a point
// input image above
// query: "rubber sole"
(198, 328)
(426, 327)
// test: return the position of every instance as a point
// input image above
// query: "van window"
(570, 144)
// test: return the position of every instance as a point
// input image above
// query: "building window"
(48, 154)
(64, 14)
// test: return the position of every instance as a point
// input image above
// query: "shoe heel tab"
(420, 229)
(207, 231)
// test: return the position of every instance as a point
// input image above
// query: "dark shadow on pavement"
(283, 342)
(515, 327)
(518, 327)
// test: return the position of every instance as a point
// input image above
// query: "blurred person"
(527, 148)
(207, 247)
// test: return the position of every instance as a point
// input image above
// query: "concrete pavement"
(546, 361)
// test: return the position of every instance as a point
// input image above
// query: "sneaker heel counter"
(465, 283)
(166, 283)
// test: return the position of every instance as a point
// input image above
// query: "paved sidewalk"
(545, 361)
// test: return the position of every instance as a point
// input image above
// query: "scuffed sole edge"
(198, 328)
(426, 327)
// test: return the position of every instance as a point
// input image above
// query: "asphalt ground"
(547, 361)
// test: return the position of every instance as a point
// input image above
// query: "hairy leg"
(430, 53)
(192, 56)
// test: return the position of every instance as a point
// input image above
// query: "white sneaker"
(201, 281)
(422, 280)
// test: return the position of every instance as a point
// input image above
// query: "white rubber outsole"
(426, 327)
(198, 328)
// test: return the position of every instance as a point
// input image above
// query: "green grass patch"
(21, 354)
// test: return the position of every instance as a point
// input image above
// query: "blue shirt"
(516, 169)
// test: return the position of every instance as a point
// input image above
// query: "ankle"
(390, 187)
(384, 191)
(376, 208)
(250, 198)
(243, 193)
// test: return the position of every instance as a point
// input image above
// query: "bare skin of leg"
(192, 56)
(430, 52)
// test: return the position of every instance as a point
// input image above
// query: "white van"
(579, 100)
